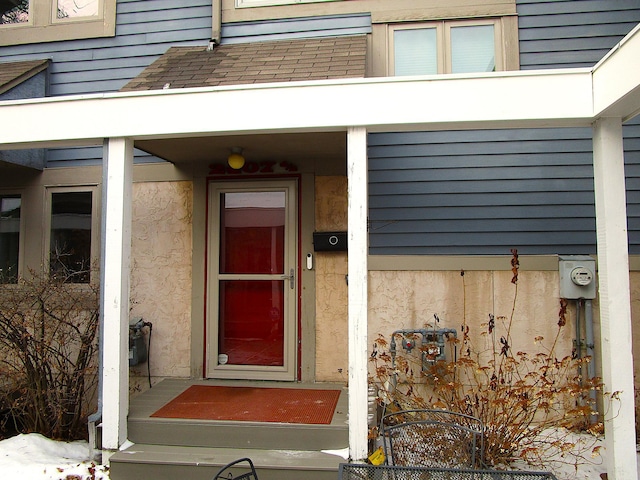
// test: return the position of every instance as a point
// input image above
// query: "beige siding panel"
(634, 279)
(331, 286)
(379, 59)
(457, 263)
(381, 10)
(511, 49)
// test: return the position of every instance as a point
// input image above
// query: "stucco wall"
(161, 275)
(410, 299)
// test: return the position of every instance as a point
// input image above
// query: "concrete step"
(164, 462)
(218, 434)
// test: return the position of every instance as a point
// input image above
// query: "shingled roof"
(14, 73)
(276, 61)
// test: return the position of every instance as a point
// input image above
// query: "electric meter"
(577, 277)
(581, 276)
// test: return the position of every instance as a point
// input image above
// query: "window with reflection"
(14, 12)
(472, 49)
(77, 8)
(9, 237)
(252, 232)
(70, 237)
(35, 21)
(252, 245)
(445, 47)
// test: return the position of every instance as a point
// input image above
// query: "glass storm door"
(252, 280)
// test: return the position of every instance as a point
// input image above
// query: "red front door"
(252, 280)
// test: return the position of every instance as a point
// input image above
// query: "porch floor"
(173, 447)
(144, 405)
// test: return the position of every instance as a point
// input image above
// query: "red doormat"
(283, 405)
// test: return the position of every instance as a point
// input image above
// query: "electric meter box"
(577, 277)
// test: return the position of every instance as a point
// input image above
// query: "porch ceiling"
(17, 171)
(292, 147)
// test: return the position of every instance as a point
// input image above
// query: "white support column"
(615, 306)
(115, 253)
(358, 276)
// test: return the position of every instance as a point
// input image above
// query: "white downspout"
(216, 22)
(590, 345)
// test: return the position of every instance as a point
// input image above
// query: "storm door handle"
(291, 277)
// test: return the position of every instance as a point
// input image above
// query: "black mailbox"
(330, 241)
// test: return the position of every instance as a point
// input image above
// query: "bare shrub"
(48, 347)
(517, 395)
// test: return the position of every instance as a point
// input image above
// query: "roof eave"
(506, 99)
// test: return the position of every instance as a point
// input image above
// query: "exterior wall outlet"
(577, 277)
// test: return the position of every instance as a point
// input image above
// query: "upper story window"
(77, 8)
(10, 206)
(445, 47)
(269, 3)
(34, 21)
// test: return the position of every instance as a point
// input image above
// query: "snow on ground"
(34, 457)
(570, 456)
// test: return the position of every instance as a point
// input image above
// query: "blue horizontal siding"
(480, 179)
(145, 29)
(488, 242)
(504, 204)
(632, 158)
(291, 28)
(568, 6)
(487, 191)
(550, 20)
(571, 33)
(88, 156)
(572, 44)
(578, 33)
(488, 207)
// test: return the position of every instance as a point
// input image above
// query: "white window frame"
(45, 26)
(272, 3)
(95, 227)
(443, 39)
